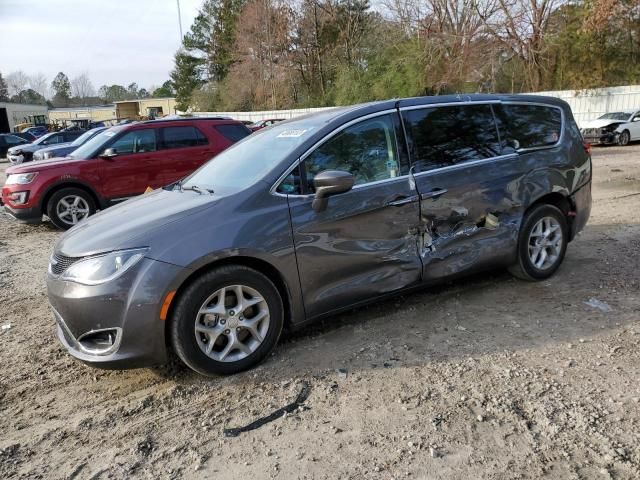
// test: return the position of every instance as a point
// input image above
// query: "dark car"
(63, 149)
(37, 131)
(24, 153)
(8, 140)
(318, 215)
(116, 164)
(29, 137)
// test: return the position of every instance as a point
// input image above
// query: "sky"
(113, 41)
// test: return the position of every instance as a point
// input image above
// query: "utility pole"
(179, 21)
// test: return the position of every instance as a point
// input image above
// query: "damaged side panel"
(475, 222)
(361, 246)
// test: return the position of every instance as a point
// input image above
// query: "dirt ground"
(489, 377)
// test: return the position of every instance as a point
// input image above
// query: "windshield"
(83, 138)
(90, 148)
(615, 116)
(43, 138)
(249, 160)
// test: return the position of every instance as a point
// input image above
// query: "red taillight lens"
(587, 147)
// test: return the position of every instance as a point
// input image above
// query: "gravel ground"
(489, 377)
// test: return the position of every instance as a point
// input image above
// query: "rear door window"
(136, 141)
(528, 126)
(233, 133)
(182, 137)
(445, 136)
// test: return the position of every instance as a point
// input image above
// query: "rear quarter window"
(529, 126)
(182, 137)
(233, 133)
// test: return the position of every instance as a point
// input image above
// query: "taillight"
(587, 147)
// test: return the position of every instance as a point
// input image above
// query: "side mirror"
(636, 119)
(109, 153)
(328, 183)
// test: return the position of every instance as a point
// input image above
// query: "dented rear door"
(469, 214)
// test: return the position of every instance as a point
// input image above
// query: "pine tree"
(4, 90)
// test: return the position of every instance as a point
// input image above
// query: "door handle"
(402, 200)
(435, 193)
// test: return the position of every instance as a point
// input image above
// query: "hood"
(54, 148)
(601, 122)
(133, 223)
(26, 147)
(41, 165)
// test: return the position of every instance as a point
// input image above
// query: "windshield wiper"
(196, 188)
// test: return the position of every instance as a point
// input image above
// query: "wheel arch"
(260, 265)
(559, 200)
(69, 184)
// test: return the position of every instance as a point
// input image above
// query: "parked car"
(37, 131)
(29, 137)
(63, 149)
(116, 164)
(264, 123)
(24, 153)
(613, 128)
(318, 215)
(8, 140)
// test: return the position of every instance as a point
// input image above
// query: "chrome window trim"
(461, 102)
(324, 139)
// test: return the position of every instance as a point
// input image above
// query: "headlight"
(103, 268)
(16, 152)
(20, 178)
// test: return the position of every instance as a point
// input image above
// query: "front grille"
(59, 263)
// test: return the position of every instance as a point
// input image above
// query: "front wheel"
(227, 320)
(542, 243)
(624, 138)
(69, 206)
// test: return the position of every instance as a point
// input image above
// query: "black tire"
(60, 195)
(624, 138)
(524, 268)
(187, 306)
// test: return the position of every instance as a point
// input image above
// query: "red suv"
(114, 165)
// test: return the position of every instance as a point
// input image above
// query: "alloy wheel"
(232, 323)
(72, 208)
(545, 243)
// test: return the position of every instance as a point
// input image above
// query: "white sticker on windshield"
(292, 133)
(109, 134)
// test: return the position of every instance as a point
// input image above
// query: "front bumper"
(15, 159)
(25, 215)
(601, 139)
(128, 306)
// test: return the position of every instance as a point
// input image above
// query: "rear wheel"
(68, 206)
(227, 320)
(624, 138)
(542, 243)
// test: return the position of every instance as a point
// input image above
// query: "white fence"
(586, 104)
(589, 104)
(264, 114)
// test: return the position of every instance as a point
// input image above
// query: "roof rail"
(184, 119)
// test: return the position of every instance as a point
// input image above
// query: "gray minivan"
(320, 214)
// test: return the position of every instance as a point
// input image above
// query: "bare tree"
(17, 82)
(81, 86)
(520, 26)
(39, 83)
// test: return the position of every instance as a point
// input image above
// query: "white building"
(12, 114)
